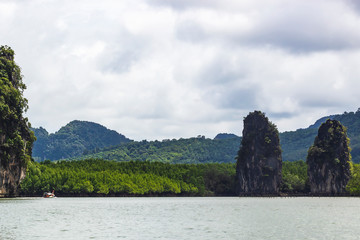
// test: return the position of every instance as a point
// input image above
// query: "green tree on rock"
(16, 139)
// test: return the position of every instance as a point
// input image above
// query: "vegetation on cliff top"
(15, 137)
(331, 143)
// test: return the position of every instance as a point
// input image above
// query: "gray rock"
(10, 177)
(329, 160)
(259, 163)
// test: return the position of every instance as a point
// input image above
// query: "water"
(180, 218)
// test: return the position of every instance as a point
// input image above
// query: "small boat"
(49, 194)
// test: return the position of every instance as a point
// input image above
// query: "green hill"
(224, 147)
(74, 139)
(222, 136)
(295, 144)
(82, 140)
(192, 150)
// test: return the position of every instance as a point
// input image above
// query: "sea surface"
(180, 218)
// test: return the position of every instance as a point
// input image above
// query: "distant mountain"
(295, 144)
(225, 136)
(74, 139)
(191, 150)
(318, 123)
(79, 140)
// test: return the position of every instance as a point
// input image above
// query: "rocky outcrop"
(329, 160)
(258, 170)
(15, 136)
(10, 176)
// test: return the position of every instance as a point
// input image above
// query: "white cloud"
(7, 10)
(168, 69)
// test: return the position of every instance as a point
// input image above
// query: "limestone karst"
(258, 170)
(329, 160)
(15, 137)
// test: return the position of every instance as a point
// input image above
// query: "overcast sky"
(156, 69)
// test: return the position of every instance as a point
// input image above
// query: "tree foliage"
(96, 177)
(192, 150)
(353, 186)
(294, 177)
(15, 137)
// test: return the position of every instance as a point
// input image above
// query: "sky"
(164, 69)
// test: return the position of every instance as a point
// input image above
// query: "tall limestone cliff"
(329, 160)
(259, 163)
(15, 137)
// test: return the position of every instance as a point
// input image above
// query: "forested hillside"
(74, 139)
(221, 136)
(192, 150)
(81, 140)
(296, 144)
(224, 147)
(96, 177)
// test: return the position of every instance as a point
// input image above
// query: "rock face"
(15, 137)
(329, 160)
(258, 170)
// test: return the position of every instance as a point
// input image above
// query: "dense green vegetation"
(192, 150)
(296, 144)
(102, 178)
(74, 139)
(294, 177)
(82, 138)
(108, 178)
(353, 186)
(67, 143)
(15, 137)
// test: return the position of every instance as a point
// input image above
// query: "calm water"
(180, 218)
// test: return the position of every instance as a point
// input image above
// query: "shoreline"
(281, 195)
